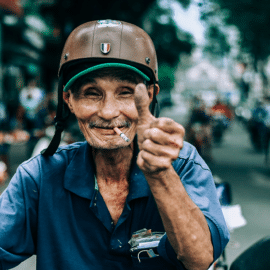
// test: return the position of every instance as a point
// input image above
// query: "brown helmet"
(100, 44)
(108, 43)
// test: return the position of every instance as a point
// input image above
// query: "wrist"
(164, 176)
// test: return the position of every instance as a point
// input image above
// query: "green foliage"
(252, 18)
(166, 76)
(168, 44)
(217, 44)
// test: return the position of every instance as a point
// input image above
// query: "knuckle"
(144, 154)
(146, 144)
(166, 163)
(154, 133)
(165, 121)
(182, 130)
(145, 133)
(175, 155)
(177, 142)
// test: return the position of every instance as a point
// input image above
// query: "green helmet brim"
(101, 66)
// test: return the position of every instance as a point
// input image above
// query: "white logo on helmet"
(108, 23)
(105, 47)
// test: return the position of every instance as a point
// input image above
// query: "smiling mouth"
(105, 130)
(108, 127)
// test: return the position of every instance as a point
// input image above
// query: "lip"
(105, 131)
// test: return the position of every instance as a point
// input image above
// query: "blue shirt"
(51, 209)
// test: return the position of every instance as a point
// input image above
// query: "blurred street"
(238, 164)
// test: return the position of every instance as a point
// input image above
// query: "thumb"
(142, 102)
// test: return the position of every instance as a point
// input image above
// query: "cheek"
(83, 111)
(130, 111)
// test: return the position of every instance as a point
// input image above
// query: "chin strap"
(62, 114)
(154, 104)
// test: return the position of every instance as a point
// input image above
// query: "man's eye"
(91, 93)
(125, 92)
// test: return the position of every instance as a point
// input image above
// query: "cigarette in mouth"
(121, 134)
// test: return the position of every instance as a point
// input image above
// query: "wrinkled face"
(101, 105)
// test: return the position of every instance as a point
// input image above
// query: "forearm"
(184, 223)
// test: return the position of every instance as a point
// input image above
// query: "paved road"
(237, 163)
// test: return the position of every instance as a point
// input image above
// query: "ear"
(67, 99)
(151, 91)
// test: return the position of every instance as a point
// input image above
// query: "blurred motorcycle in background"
(256, 257)
(222, 116)
(219, 126)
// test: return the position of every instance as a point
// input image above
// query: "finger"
(142, 104)
(168, 125)
(158, 136)
(150, 163)
(168, 151)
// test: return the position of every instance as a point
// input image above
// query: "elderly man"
(134, 195)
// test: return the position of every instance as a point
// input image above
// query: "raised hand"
(159, 139)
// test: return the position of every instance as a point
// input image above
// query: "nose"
(109, 109)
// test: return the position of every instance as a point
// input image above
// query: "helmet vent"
(66, 56)
(147, 60)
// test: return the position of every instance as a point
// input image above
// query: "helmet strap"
(62, 114)
(154, 104)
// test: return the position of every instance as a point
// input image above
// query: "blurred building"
(24, 38)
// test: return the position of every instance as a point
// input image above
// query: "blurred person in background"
(199, 130)
(257, 126)
(245, 82)
(4, 127)
(31, 98)
(267, 126)
(89, 205)
(221, 118)
(224, 109)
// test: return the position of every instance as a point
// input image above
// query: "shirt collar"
(79, 175)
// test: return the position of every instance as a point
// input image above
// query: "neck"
(113, 165)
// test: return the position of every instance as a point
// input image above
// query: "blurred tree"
(170, 41)
(252, 18)
(216, 45)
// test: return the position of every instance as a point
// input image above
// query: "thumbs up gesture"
(159, 139)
